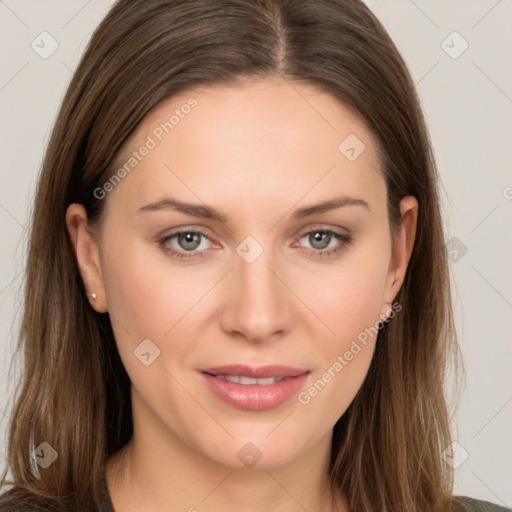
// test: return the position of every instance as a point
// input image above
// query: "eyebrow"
(207, 212)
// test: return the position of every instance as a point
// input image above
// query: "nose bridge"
(258, 307)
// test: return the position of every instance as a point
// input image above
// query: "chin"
(254, 453)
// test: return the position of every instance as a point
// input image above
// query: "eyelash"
(345, 240)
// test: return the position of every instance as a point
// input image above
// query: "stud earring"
(92, 295)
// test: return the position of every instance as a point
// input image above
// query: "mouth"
(254, 388)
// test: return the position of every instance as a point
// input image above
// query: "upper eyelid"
(204, 233)
(172, 234)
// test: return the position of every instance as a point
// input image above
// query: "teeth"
(241, 379)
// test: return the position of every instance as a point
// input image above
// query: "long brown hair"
(75, 393)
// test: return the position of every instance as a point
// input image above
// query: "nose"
(257, 305)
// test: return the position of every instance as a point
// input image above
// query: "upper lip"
(257, 372)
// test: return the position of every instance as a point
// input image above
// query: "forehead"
(264, 135)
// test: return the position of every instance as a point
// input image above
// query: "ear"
(401, 251)
(87, 255)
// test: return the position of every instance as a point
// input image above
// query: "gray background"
(467, 99)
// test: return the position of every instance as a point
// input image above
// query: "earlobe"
(86, 252)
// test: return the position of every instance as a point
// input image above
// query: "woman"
(237, 294)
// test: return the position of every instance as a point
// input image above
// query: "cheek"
(147, 292)
(348, 297)
(334, 388)
(344, 357)
(148, 299)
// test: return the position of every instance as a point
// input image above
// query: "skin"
(256, 153)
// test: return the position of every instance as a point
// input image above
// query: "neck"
(161, 469)
(147, 476)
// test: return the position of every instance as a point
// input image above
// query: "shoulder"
(474, 505)
(17, 500)
(20, 500)
(10, 501)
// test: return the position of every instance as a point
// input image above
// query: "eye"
(185, 244)
(190, 243)
(325, 242)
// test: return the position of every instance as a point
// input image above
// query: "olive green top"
(10, 503)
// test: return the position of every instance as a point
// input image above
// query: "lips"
(254, 388)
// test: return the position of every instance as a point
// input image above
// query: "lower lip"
(253, 397)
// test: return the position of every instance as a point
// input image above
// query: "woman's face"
(285, 258)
